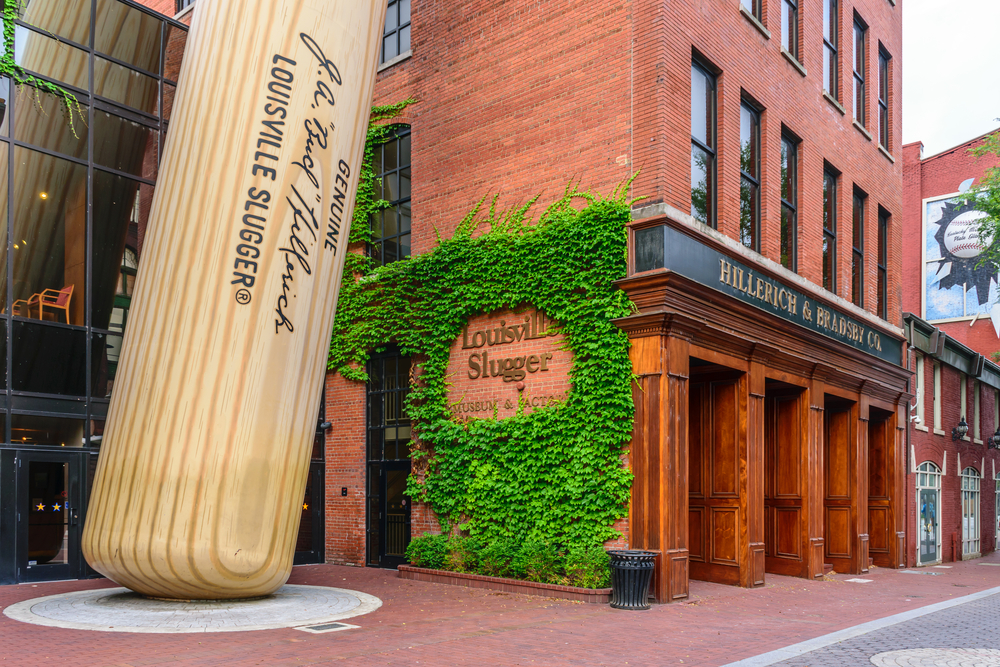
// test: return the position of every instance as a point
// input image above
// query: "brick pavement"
(433, 624)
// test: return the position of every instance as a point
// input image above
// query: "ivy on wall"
(553, 473)
(12, 10)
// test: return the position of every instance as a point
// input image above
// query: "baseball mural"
(206, 450)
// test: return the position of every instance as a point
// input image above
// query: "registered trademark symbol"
(243, 297)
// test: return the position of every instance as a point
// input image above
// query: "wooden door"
(786, 537)
(838, 497)
(881, 521)
(717, 480)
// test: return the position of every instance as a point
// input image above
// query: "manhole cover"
(121, 610)
(938, 657)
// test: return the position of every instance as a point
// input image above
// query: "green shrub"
(428, 551)
(588, 567)
(496, 558)
(537, 560)
(463, 554)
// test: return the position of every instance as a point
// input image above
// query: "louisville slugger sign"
(206, 451)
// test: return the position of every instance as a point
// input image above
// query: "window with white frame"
(937, 397)
(970, 512)
(921, 421)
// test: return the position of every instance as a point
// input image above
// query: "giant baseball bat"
(206, 450)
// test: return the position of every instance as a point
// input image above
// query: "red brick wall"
(929, 446)
(345, 467)
(934, 176)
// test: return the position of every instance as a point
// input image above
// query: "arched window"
(970, 512)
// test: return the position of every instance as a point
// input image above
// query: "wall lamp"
(959, 431)
(993, 442)
(325, 426)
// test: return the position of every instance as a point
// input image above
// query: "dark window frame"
(859, 204)
(711, 166)
(377, 246)
(831, 45)
(884, 81)
(397, 33)
(181, 4)
(860, 67)
(790, 28)
(751, 179)
(789, 191)
(831, 188)
(883, 263)
(755, 9)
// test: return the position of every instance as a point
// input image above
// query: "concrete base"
(121, 610)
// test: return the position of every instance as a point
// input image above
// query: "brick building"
(763, 139)
(952, 489)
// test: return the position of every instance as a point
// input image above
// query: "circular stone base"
(938, 657)
(121, 610)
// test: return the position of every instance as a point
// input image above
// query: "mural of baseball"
(961, 237)
(206, 451)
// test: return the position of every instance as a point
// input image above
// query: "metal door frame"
(937, 512)
(72, 568)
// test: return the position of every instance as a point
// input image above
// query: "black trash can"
(631, 572)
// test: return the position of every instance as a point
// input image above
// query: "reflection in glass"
(125, 86)
(749, 177)
(124, 145)
(63, 18)
(4, 106)
(176, 41)
(105, 350)
(829, 231)
(55, 60)
(48, 359)
(39, 430)
(127, 34)
(121, 209)
(50, 233)
(43, 120)
(391, 227)
(168, 100)
(48, 515)
(96, 433)
(701, 186)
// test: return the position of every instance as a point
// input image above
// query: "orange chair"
(53, 300)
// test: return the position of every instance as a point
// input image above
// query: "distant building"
(952, 318)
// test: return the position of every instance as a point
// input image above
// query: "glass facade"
(76, 191)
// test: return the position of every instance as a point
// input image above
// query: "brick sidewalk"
(432, 624)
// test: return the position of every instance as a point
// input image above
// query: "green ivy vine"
(555, 473)
(12, 10)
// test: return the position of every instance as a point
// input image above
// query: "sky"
(951, 71)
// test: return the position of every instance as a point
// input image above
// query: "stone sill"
(861, 128)
(795, 63)
(837, 105)
(886, 153)
(398, 59)
(921, 428)
(938, 431)
(591, 595)
(753, 21)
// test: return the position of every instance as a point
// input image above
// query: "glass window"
(43, 55)
(883, 99)
(883, 264)
(976, 432)
(38, 430)
(126, 86)
(970, 512)
(937, 397)
(50, 235)
(750, 177)
(754, 7)
(48, 359)
(5, 103)
(125, 145)
(789, 202)
(702, 145)
(388, 425)
(790, 27)
(860, 52)
(61, 18)
(920, 421)
(831, 26)
(396, 36)
(43, 120)
(128, 34)
(174, 52)
(829, 231)
(168, 100)
(857, 250)
(391, 227)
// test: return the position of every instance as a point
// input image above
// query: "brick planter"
(592, 595)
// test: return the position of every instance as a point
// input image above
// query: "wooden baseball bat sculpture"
(206, 450)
